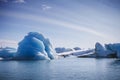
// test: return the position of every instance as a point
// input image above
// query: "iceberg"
(84, 53)
(107, 51)
(77, 48)
(78, 53)
(100, 50)
(34, 46)
(7, 52)
(114, 49)
(62, 49)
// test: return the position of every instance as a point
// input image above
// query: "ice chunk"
(77, 48)
(34, 46)
(110, 50)
(62, 49)
(114, 48)
(100, 50)
(7, 52)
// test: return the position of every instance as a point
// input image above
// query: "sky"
(67, 23)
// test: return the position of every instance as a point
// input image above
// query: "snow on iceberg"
(34, 46)
(84, 53)
(78, 53)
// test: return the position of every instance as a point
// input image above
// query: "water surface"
(61, 69)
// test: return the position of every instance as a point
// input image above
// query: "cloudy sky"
(67, 23)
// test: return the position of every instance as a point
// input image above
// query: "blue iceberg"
(107, 51)
(7, 52)
(62, 49)
(114, 49)
(34, 46)
(100, 50)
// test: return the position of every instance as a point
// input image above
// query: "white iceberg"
(78, 53)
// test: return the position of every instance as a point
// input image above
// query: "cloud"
(14, 1)
(65, 24)
(46, 7)
(3, 0)
(8, 43)
(19, 1)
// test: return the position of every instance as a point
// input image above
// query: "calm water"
(62, 69)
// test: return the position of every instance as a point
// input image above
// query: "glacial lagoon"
(61, 69)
